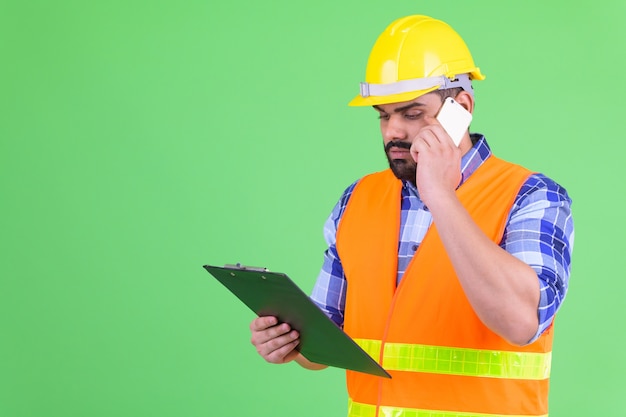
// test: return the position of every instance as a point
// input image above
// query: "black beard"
(403, 170)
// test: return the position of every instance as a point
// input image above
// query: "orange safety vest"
(443, 360)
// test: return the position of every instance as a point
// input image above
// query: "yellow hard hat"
(414, 56)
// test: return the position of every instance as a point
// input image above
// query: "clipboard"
(275, 294)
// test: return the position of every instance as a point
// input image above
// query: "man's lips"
(398, 153)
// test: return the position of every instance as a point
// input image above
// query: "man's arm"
(503, 290)
(540, 232)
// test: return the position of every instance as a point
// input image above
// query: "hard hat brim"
(393, 98)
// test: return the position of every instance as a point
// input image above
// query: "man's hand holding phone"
(438, 171)
(455, 119)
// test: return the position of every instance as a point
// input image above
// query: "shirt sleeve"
(329, 292)
(540, 232)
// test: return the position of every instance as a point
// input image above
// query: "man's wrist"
(307, 364)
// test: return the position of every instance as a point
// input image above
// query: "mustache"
(397, 144)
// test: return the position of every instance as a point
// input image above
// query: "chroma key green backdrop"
(140, 140)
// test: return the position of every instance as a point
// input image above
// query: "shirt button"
(415, 247)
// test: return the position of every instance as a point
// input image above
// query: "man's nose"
(394, 129)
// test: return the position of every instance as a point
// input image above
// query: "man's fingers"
(263, 336)
(262, 323)
(425, 139)
(274, 341)
(278, 350)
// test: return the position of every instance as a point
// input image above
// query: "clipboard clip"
(241, 267)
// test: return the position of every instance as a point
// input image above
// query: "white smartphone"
(454, 119)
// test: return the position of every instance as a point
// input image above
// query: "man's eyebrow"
(401, 109)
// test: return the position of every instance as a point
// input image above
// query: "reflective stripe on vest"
(460, 361)
(365, 410)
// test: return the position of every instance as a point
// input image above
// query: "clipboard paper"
(275, 294)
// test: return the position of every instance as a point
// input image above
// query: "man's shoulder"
(536, 181)
(347, 193)
(539, 184)
(385, 174)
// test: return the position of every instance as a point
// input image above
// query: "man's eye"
(412, 116)
(383, 116)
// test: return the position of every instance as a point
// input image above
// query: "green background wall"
(141, 140)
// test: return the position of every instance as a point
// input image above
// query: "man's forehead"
(428, 99)
(402, 106)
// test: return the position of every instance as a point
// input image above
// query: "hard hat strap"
(416, 84)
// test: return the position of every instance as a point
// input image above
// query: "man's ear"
(466, 100)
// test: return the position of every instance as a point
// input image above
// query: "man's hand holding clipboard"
(300, 325)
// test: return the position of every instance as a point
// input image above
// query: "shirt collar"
(470, 162)
(475, 157)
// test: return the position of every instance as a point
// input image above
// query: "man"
(450, 266)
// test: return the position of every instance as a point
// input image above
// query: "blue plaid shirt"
(539, 231)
